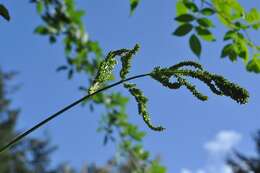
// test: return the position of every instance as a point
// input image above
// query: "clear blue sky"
(189, 122)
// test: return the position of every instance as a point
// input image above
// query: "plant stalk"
(56, 114)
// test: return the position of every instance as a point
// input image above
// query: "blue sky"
(190, 124)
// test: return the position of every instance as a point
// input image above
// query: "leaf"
(205, 22)
(156, 168)
(195, 45)
(205, 34)
(191, 6)
(254, 64)
(207, 11)
(185, 18)
(253, 16)
(230, 50)
(180, 8)
(39, 7)
(183, 29)
(133, 5)
(225, 50)
(61, 68)
(42, 30)
(4, 12)
(230, 35)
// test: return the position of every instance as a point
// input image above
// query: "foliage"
(245, 164)
(61, 19)
(133, 5)
(29, 156)
(4, 12)
(198, 18)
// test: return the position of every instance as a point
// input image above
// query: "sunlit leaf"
(207, 11)
(181, 8)
(254, 64)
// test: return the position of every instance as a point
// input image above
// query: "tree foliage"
(241, 163)
(32, 155)
(196, 17)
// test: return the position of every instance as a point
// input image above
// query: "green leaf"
(195, 45)
(254, 64)
(4, 12)
(39, 7)
(205, 22)
(253, 16)
(156, 168)
(225, 50)
(230, 35)
(230, 50)
(207, 11)
(205, 34)
(42, 30)
(133, 5)
(183, 29)
(191, 6)
(185, 18)
(180, 8)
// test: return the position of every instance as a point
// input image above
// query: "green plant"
(197, 17)
(218, 85)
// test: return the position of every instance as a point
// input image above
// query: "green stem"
(49, 118)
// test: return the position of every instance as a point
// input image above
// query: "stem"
(49, 118)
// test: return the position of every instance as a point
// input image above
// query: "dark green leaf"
(42, 30)
(230, 50)
(207, 11)
(183, 29)
(133, 5)
(4, 12)
(191, 6)
(225, 51)
(205, 34)
(185, 18)
(195, 45)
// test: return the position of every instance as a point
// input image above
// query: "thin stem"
(49, 118)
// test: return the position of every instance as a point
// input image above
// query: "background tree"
(31, 155)
(241, 163)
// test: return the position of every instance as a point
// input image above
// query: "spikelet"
(142, 108)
